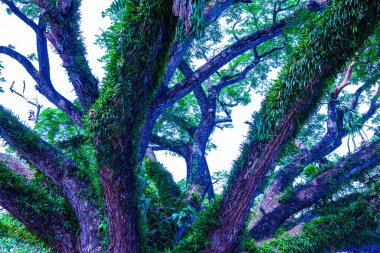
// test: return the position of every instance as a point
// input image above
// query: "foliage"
(315, 54)
(137, 46)
(163, 180)
(353, 225)
(57, 129)
(16, 238)
(159, 201)
(196, 237)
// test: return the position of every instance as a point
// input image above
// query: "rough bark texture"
(329, 142)
(60, 170)
(17, 198)
(262, 154)
(304, 196)
(122, 213)
(143, 45)
(17, 166)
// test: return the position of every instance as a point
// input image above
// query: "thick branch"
(306, 195)
(59, 169)
(279, 118)
(36, 211)
(64, 34)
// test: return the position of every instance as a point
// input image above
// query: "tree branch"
(230, 80)
(345, 82)
(212, 11)
(330, 141)
(167, 99)
(33, 207)
(176, 146)
(44, 86)
(199, 93)
(33, 72)
(306, 195)
(64, 34)
(59, 169)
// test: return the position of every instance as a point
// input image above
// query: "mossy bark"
(36, 209)
(276, 212)
(344, 27)
(134, 73)
(61, 170)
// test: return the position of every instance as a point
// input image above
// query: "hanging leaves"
(191, 11)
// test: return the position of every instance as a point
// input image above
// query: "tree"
(92, 190)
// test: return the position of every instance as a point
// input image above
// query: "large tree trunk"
(261, 153)
(131, 83)
(122, 213)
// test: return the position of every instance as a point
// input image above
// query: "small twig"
(33, 116)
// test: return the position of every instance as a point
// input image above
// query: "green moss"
(327, 44)
(197, 234)
(35, 199)
(354, 225)
(311, 170)
(11, 127)
(163, 180)
(16, 238)
(286, 195)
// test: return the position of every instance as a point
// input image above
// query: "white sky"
(15, 32)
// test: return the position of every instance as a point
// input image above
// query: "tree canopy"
(82, 176)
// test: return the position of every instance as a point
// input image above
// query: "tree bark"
(306, 195)
(260, 155)
(17, 197)
(134, 73)
(60, 170)
(330, 141)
